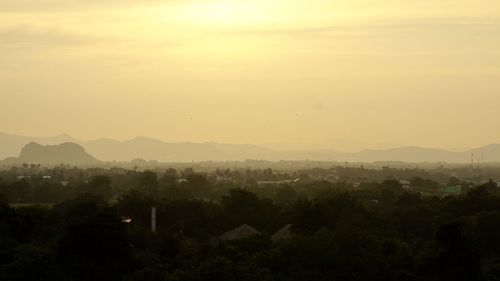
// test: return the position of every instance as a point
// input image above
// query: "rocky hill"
(65, 153)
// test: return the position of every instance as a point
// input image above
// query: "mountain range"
(153, 149)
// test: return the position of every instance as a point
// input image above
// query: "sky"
(295, 74)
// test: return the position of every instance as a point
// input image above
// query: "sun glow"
(225, 13)
(257, 71)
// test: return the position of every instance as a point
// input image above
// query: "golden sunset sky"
(294, 74)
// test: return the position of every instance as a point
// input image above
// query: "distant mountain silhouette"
(65, 153)
(10, 145)
(153, 149)
(407, 154)
(414, 154)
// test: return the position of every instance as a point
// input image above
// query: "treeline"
(381, 232)
(35, 184)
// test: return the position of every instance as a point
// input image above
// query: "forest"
(331, 223)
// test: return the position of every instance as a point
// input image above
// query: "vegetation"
(347, 224)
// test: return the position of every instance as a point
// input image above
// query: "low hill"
(65, 153)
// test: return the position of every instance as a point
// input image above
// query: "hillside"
(10, 145)
(65, 153)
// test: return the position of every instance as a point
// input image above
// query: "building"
(278, 182)
(406, 184)
(241, 232)
(282, 234)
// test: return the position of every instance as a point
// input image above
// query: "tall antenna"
(480, 161)
(153, 219)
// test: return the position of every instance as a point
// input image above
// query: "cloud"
(27, 36)
(72, 5)
(367, 28)
(30, 36)
(425, 34)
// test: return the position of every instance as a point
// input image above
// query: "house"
(241, 232)
(221, 179)
(332, 178)
(126, 219)
(452, 189)
(282, 234)
(406, 184)
(278, 182)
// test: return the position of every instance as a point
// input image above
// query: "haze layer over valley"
(153, 149)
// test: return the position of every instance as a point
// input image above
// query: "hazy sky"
(343, 74)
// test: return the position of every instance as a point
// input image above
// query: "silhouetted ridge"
(67, 153)
(154, 149)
